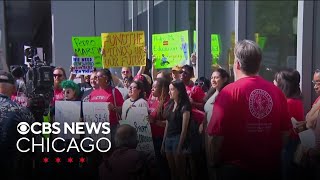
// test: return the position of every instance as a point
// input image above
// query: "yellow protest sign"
(123, 49)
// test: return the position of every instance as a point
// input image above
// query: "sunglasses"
(199, 83)
(125, 72)
(316, 82)
(57, 75)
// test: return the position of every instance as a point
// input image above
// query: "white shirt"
(128, 104)
(208, 107)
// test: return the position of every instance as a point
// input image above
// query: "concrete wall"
(81, 18)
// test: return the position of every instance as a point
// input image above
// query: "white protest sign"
(82, 65)
(67, 111)
(137, 118)
(307, 137)
(96, 112)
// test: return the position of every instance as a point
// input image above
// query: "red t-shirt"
(105, 95)
(57, 95)
(295, 109)
(250, 114)
(196, 93)
(153, 102)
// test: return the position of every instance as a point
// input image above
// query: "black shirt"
(175, 120)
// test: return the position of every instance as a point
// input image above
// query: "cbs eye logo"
(23, 128)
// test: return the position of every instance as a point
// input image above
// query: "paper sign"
(215, 48)
(82, 65)
(88, 47)
(67, 112)
(170, 49)
(95, 112)
(123, 49)
(137, 118)
(307, 137)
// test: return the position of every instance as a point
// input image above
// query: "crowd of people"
(204, 128)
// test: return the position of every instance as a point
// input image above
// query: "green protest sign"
(215, 48)
(170, 49)
(88, 47)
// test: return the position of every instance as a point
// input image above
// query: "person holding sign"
(107, 93)
(177, 115)
(136, 98)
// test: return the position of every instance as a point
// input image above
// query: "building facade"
(287, 31)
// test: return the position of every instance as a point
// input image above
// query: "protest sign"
(88, 47)
(215, 48)
(137, 118)
(67, 112)
(170, 49)
(123, 49)
(83, 66)
(96, 112)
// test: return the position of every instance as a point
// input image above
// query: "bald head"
(126, 136)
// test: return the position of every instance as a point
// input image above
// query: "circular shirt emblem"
(260, 103)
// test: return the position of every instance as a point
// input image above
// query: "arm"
(312, 115)
(116, 80)
(164, 135)
(185, 123)
(141, 70)
(153, 68)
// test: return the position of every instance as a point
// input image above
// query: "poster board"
(82, 65)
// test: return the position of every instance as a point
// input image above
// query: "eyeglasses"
(125, 72)
(57, 75)
(316, 82)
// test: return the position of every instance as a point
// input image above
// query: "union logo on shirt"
(260, 103)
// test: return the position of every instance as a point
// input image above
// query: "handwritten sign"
(82, 65)
(137, 119)
(88, 47)
(67, 112)
(123, 49)
(170, 49)
(94, 113)
(215, 48)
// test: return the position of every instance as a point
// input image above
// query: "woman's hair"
(72, 85)
(165, 75)
(108, 74)
(146, 85)
(224, 75)
(163, 85)
(140, 86)
(288, 80)
(183, 98)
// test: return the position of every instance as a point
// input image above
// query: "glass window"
(273, 25)
(175, 16)
(219, 35)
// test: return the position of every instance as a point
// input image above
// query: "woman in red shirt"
(288, 81)
(157, 102)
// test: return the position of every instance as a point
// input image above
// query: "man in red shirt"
(249, 121)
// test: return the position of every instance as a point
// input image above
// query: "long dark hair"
(140, 86)
(224, 75)
(183, 98)
(163, 85)
(288, 80)
(107, 73)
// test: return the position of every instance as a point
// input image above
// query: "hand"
(71, 68)
(150, 119)
(162, 149)
(102, 52)
(201, 128)
(193, 58)
(300, 126)
(111, 107)
(153, 58)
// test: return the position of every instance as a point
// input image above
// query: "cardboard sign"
(67, 112)
(170, 49)
(123, 49)
(137, 118)
(83, 66)
(88, 47)
(95, 112)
